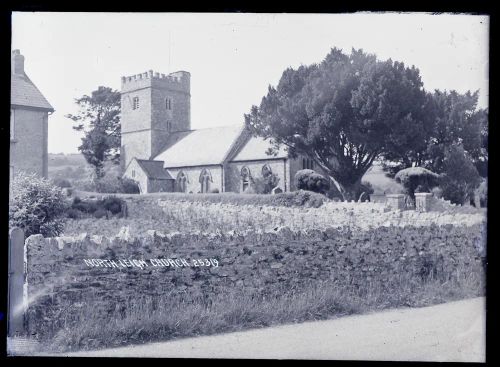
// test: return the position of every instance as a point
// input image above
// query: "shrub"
(367, 188)
(307, 179)
(437, 192)
(36, 206)
(129, 186)
(88, 207)
(112, 203)
(460, 177)
(109, 185)
(333, 193)
(270, 180)
(214, 191)
(482, 194)
(73, 213)
(300, 198)
(100, 213)
(414, 177)
(61, 182)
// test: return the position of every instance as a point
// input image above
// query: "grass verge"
(144, 319)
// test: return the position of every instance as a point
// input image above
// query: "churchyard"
(163, 266)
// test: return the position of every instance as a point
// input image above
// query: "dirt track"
(449, 332)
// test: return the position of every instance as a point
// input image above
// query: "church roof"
(199, 147)
(24, 93)
(255, 149)
(154, 169)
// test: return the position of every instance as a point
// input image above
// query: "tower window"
(135, 104)
(168, 104)
(169, 126)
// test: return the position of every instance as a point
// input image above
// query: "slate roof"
(199, 147)
(24, 93)
(255, 149)
(154, 169)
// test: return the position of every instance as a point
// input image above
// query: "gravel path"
(452, 331)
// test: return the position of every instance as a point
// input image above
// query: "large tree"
(451, 119)
(344, 113)
(99, 118)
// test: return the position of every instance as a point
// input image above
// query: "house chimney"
(17, 62)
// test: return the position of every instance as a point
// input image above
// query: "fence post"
(16, 282)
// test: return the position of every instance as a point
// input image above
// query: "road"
(452, 331)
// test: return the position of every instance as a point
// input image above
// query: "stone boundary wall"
(330, 214)
(68, 273)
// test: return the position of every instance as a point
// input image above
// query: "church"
(161, 152)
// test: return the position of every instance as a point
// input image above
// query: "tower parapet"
(179, 81)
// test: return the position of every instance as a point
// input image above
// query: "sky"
(233, 57)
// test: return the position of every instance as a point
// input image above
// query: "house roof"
(24, 93)
(154, 169)
(199, 147)
(255, 149)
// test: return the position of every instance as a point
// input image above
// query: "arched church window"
(307, 163)
(266, 170)
(205, 179)
(168, 103)
(245, 178)
(135, 104)
(182, 181)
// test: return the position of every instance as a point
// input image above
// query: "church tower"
(153, 105)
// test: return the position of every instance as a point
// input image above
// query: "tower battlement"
(179, 80)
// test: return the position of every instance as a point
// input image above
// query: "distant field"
(74, 167)
(380, 182)
(58, 160)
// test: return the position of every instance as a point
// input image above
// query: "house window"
(182, 182)
(12, 126)
(205, 179)
(135, 104)
(168, 103)
(245, 178)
